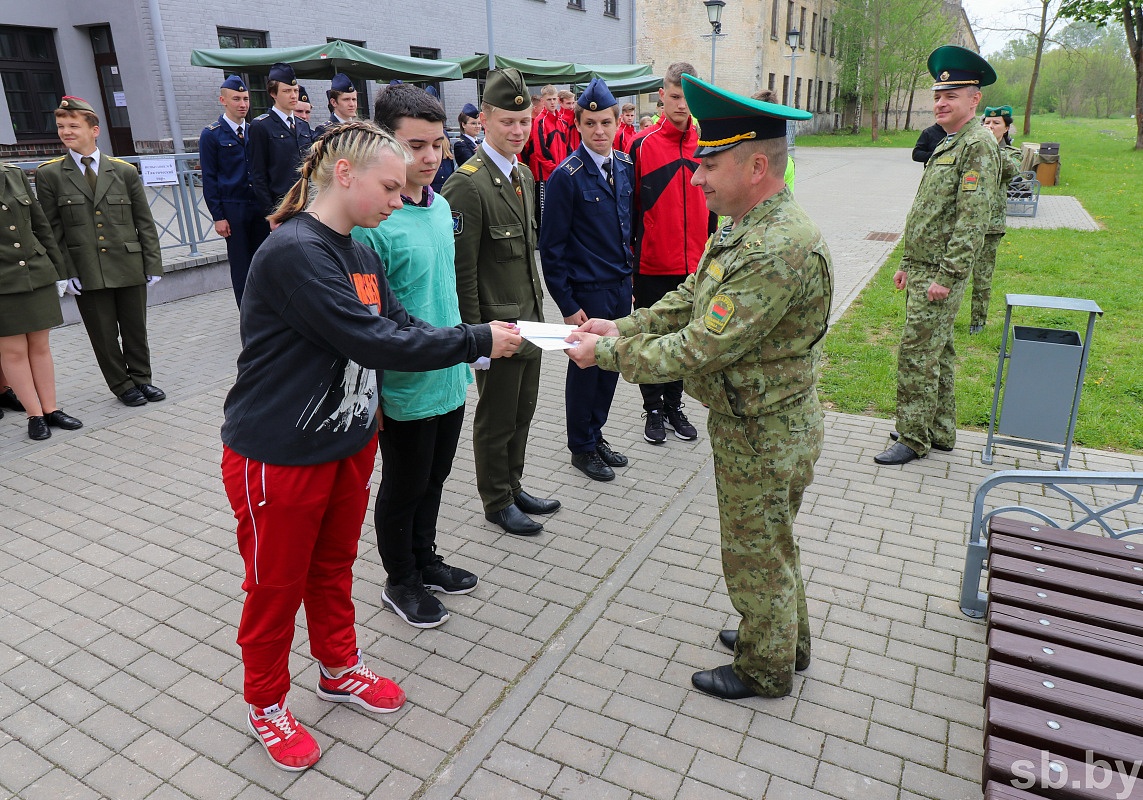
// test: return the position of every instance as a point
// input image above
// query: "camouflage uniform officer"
(944, 234)
(999, 121)
(744, 334)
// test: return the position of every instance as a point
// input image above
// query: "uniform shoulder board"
(619, 155)
(262, 116)
(213, 126)
(471, 166)
(119, 161)
(52, 161)
(572, 165)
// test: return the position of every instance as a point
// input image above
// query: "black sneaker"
(679, 423)
(609, 456)
(414, 604)
(440, 577)
(9, 400)
(653, 431)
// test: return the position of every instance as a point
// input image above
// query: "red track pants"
(298, 532)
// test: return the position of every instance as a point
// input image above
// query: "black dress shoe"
(897, 454)
(722, 682)
(38, 428)
(591, 465)
(8, 399)
(729, 637)
(895, 436)
(513, 520)
(153, 393)
(133, 397)
(609, 456)
(58, 419)
(536, 505)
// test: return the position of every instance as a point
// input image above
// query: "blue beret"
(470, 110)
(341, 83)
(596, 97)
(234, 83)
(432, 91)
(303, 95)
(283, 73)
(394, 82)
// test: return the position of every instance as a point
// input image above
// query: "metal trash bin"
(1043, 368)
(1046, 367)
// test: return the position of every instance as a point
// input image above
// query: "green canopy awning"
(537, 71)
(628, 86)
(613, 72)
(323, 60)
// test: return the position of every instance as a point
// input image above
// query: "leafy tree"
(1130, 14)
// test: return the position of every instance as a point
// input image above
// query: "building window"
(434, 54)
(774, 17)
(798, 93)
(611, 8)
(576, 4)
(789, 18)
(814, 34)
(829, 94)
(32, 83)
(802, 28)
(770, 83)
(833, 40)
(255, 79)
(819, 103)
(825, 27)
(785, 90)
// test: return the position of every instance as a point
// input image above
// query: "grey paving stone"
(20, 766)
(119, 778)
(729, 775)
(204, 779)
(57, 785)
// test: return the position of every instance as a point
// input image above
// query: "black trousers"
(248, 229)
(416, 459)
(588, 392)
(110, 315)
(648, 290)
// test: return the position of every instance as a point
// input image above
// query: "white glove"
(74, 286)
(61, 287)
(484, 362)
(153, 279)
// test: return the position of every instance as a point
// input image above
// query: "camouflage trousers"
(926, 365)
(982, 278)
(762, 466)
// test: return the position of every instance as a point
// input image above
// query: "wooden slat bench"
(1064, 681)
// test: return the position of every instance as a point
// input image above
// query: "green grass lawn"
(1101, 169)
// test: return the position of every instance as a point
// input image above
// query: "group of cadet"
(359, 315)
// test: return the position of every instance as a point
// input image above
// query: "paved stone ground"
(565, 675)
(1057, 211)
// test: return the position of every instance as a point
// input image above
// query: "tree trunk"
(909, 110)
(876, 71)
(1133, 25)
(1036, 66)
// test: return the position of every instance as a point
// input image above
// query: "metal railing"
(180, 212)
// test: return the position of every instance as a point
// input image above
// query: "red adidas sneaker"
(289, 745)
(361, 685)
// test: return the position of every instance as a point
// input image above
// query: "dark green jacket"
(108, 240)
(29, 257)
(495, 237)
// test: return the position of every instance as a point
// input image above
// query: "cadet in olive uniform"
(278, 141)
(944, 235)
(587, 264)
(98, 211)
(226, 184)
(998, 120)
(494, 227)
(744, 334)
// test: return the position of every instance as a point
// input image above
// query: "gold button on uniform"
(101, 238)
(97, 213)
(99, 224)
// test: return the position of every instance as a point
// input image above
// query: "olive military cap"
(505, 88)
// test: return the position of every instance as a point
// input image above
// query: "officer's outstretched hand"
(578, 318)
(600, 327)
(900, 277)
(582, 351)
(506, 339)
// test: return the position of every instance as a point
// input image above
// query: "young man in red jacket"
(671, 226)
(566, 113)
(626, 131)
(548, 145)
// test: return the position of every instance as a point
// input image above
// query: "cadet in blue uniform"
(342, 97)
(226, 184)
(587, 264)
(465, 147)
(278, 141)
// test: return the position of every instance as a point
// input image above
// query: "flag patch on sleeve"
(969, 182)
(719, 313)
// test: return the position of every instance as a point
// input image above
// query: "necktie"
(607, 172)
(516, 185)
(292, 128)
(241, 135)
(89, 171)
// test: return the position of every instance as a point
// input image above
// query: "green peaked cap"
(953, 67)
(727, 119)
(997, 111)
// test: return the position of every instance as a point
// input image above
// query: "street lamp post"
(714, 14)
(793, 38)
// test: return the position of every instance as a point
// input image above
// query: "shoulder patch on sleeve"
(457, 223)
(719, 313)
(213, 126)
(572, 165)
(621, 156)
(969, 181)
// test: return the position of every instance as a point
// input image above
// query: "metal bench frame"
(973, 601)
(1023, 195)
